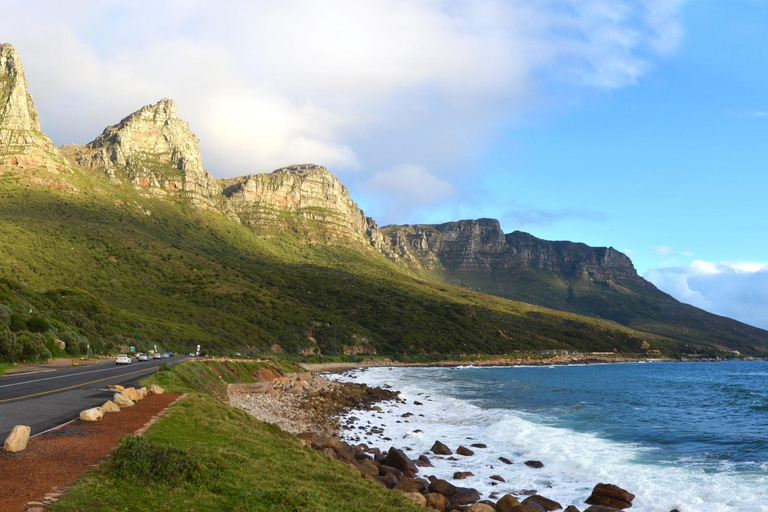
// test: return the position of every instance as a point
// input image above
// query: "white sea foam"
(573, 461)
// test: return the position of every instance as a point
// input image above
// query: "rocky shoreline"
(557, 360)
(311, 407)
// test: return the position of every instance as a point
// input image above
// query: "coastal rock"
(506, 503)
(417, 498)
(610, 495)
(524, 508)
(479, 445)
(93, 414)
(443, 487)
(17, 439)
(541, 502)
(369, 467)
(440, 449)
(436, 501)
(412, 485)
(462, 450)
(571, 508)
(498, 478)
(481, 507)
(423, 462)
(398, 459)
(461, 475)
(600, 508)
(464, 496)
(534, 464)
(122, 401)
(110, 406)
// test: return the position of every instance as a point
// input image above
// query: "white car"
(123, 359)
(143, 357)
(157, 355)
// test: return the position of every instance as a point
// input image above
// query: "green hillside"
(105, 263)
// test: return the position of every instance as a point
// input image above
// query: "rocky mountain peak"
(155, 149)
(321, 205)
(17, 110)
(22, 144)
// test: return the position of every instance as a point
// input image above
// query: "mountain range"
(128, 239)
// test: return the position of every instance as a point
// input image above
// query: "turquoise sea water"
(691, 436)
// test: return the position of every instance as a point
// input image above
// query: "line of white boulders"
(125, 397)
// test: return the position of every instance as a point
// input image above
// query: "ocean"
(685, 436)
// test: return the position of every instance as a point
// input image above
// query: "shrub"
(5, 315)
(137, 459)
(37, 324)
(10, 349)
(32, 344)
(17, 323)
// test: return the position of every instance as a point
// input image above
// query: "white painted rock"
(17, 439)
(122, 400)
(94, 414)
(110, 406)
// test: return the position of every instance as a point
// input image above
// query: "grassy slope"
(112, 262)
(257, 466)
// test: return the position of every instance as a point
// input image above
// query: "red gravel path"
(56, 458)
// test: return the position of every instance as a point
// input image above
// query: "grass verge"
(238, 464)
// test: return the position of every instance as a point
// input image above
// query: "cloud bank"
(366, 88)
(735, 290)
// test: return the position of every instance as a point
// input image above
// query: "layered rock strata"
(22, 143)
(481, 246)
(155, 149)
(306, 198)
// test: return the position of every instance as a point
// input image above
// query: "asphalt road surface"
(46, 399)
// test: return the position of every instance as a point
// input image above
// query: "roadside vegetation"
(206, 456)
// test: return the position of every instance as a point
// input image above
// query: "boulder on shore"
(463, 450)
(541, 502)
(122, 400)
(437, 501)
(506, 503)
(17, 439)
(480, 507)
(609, 495)
(441, 449)
(93, 414)
(534, 464)
(399, 460)
(417, 498)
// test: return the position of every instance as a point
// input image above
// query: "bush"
(10, 349)
(17, 323)
(5, 315)
(137, 459)
(37, 324)
(32, 344)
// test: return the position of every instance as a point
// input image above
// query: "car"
(191, 354)
(123, 359)
(142, 357)
(166, 355)
(158, 355)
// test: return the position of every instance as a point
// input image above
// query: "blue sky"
(637, 124)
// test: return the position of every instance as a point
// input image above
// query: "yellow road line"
(71, 387)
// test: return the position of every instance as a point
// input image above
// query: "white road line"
(63, 377)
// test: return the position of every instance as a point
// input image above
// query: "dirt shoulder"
(53, 460)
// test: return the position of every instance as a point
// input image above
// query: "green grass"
(4, 367)
(246, 465)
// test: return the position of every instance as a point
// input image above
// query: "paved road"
(44, 400)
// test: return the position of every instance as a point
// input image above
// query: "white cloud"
(400, 188)
(669, 251)
(358, 86)
(734, 289)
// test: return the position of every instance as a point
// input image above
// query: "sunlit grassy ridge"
(112, 265)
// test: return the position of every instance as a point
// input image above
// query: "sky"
(636, 124)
